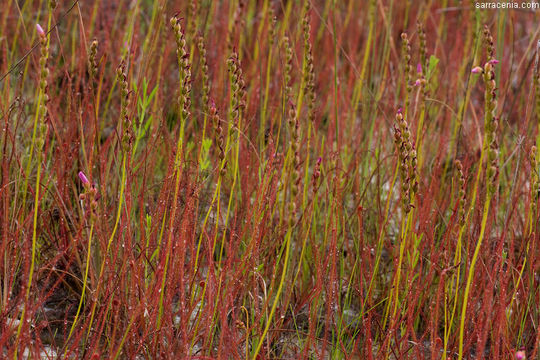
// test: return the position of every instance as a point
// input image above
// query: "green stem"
(471, 275)
(85, 280)
(278, 294)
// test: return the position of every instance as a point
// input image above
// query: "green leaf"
(204, 162)
(433, 61)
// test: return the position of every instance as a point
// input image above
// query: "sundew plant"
(269, 179)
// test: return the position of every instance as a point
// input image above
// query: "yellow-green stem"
(471, 275)
(85, 279)
(278, 294)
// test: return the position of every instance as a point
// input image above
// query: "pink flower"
(520, 355)
(40, 30)
(493, 61)
(419, 68)
(84, 179)
(477, 70)
(399, 110)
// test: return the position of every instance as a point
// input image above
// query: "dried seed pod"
(461, 193)
(184, 98)
(204, 73)
(407, 67)
(238, 90)
(124, 115)
(308, 68)
(407, 160)
(92, 60)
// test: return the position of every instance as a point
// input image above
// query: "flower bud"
(40, 30)
(84, 179)
(477, 70)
